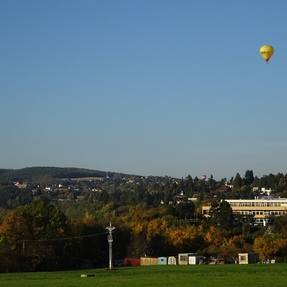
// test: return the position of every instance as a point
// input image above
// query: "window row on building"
(261, 212)
(256, 207)
(257, 204)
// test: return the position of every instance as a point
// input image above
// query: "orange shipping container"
(147, 261)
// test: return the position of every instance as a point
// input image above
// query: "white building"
(260, 209)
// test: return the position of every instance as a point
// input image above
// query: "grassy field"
(195, 276)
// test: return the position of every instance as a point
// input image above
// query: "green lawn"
(177, 276)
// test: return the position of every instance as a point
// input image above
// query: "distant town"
(54, 218)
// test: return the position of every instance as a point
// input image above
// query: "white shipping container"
(183, 259)
(162, 260)
(192, 260)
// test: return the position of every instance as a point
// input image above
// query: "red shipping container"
(132, 262)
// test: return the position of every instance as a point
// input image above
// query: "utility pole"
(110, 228)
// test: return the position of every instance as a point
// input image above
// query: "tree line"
(42, 236)
(152, 215)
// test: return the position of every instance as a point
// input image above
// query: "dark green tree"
(221, 214)
(184, 210)
(237, 181)
(249, 177)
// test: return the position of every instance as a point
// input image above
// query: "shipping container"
(171, 260)
(247, 258)
(183, 258)
(192, 260)
(162, 261)
(132, 262)
(147, 261)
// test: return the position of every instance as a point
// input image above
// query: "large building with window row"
(261, 209)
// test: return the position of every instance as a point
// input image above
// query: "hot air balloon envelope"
(266, 52)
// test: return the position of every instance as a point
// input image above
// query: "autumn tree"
(29, 228)
(214, 239)
(186, 238)
(269, 246)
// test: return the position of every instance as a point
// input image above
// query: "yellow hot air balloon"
(266, 52)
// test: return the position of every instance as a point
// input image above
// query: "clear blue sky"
(148, 87)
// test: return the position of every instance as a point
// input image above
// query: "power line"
(64, 238)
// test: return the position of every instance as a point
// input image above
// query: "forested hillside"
(59, 221)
